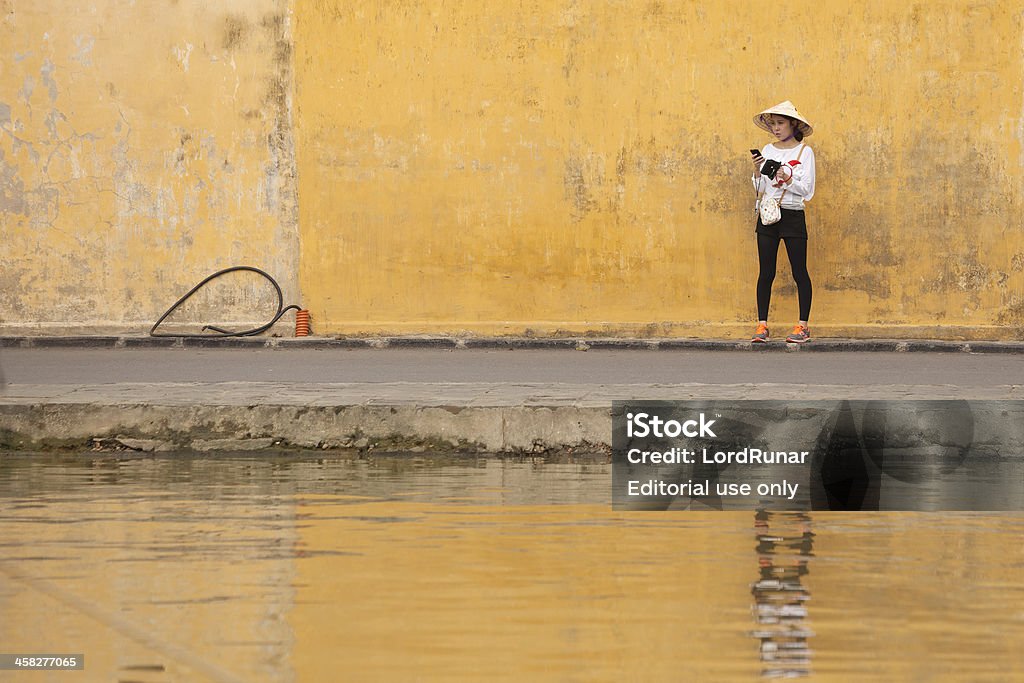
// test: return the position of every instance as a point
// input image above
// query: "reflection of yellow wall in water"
(551, 165)
(155, 581)
(143, 145)
(477, 593)
(918, 584)
(407, 590)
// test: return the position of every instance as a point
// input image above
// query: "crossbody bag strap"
(798, 155)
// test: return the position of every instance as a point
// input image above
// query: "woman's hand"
(758, 163)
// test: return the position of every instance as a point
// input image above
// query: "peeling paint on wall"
(544, 167)
(139, 152)
(566, 167)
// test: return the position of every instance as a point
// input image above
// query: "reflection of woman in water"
(784, 544)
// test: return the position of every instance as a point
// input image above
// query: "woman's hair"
(797, 133)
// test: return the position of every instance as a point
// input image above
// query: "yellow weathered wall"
(495, 167)
(143, 145)
(561, 166)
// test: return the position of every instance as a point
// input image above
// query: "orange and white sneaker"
(800, 334)
(761, 335)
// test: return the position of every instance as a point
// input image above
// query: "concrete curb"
(480, 418)
(512, 343)
(561, 429)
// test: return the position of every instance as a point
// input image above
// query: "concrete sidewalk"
(473, 400)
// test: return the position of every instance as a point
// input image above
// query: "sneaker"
(800, 335)
(761, 335)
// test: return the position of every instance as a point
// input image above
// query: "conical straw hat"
(786, 109)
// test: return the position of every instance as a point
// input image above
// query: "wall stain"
(581, 174)
(12, 189)
(1012, 313)
(236, 29)
(280, 188)
(25, 94)
(85, 44)
(965, 274)
(46, 76)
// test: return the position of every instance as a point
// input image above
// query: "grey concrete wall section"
(493, 429)
(510, 420)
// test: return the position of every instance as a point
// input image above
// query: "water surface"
(308, 568)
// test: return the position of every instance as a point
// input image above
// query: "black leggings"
(767, 254)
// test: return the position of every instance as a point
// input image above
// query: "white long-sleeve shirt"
(801, 189)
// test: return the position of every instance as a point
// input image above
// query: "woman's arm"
(802, 183)
(758, 162)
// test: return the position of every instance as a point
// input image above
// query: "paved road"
(307, 366)
(500, 400)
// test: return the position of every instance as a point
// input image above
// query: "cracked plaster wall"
(556, 166)
(143, 145)
(543, 167)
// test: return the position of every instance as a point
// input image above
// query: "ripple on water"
(309, 568)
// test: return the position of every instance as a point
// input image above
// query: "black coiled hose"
(281, 309)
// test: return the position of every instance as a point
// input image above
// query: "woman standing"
(792, 185)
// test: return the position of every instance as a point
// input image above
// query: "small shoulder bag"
(771, 209)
